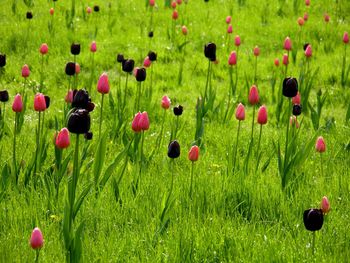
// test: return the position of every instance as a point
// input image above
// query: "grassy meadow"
(136, 204)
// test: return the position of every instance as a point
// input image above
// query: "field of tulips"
(174, 131)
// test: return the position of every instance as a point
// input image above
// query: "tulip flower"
(232, 60)
(287, 44)
(290, 87)
(17, 105)
(301, 21)
(63, 139)
(25, 71)
(306, 17)
(296, 110)
(313, 219)
(210, 51)
(228, 20)
(4, 96)
(36, 239)
(152, 2)
(193, 155)
(147, 62)
(253, 95)
(346, 38)
(296, 99)
(44, 49)
(135, 125)
(175, 15)
(39, 102)
(276, 62)
(165, 102)
(75, 49)
(88, 10)
(307, 2)
(2, 60)
(320, 145)
(325, 205)
(229, 29)
(326, 18)
(240, 116)
(308, 51)
(237, 41)
(93, 47)
(79, 121)
(174, 149)
(184, 30)
(285, 60)
(144, 121)
(29, 15)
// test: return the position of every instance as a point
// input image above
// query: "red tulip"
(326, 18)
(52, 11)
(277, 62)
(325, 205)
(62, 139)
(152, 2)
(36, 239)
(287, 44)
(184, 30)
(88, 10)
(285, 59)
(301, 21)
(179, 2)
(103, 84)
(69, 96)
(44, 48)
(306, 17)
(93, 47)
(262, 115)
(240, 112)
(253, 95)
(175, 15)
(25, 71)
(135, 125)
(166, 102)
(17, 105)
(228, 19)
(296, 99)
(237, 41)
(307, 2)
(320, 145)
(232, 60)
(229, 29)
(39, 102)
(173, 4)
(77, 68)
(256, 51)
(346, 38)
(144, 121)
(193, 153)
(308, 51)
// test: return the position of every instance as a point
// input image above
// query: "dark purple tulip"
(313, 219)
(174, 149)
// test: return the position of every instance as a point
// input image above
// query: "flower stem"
(14, 147)
(125, 89)
(287, 137)
(192, 168)
(235, 155)
(321, 165)
(207, 83)
(313, 242)
(101, 112)
(258, 151)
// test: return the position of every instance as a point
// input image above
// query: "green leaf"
(100, 157)
(80, 200)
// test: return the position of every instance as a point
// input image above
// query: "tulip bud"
(52, 11)
(152, 56)
(147, 62)
(29, 15)
(17, 105)
(290, 87)
(103, 84)
(229, 29)
(285, 59)
(193, 153)
(44, 49)
(175, 15)
(81, 99)
(301, 21)
(346, 38)
(262, 115)
(178, 110)
(325, 206)
(152, 2)
(75, 49)
(166, 102)
(70, 68)
(307, 2)
(313, 219)
(25, 71)
(173, 4)
(240, 112)
(306, 17)
(184, 30)
(4, 96)
(150, 34)
(308, 51)
(210, 51)
(39, 102)
(144, 121)
(93, 47)
(287, 44)
(128, 65)
(120, 58)
(228, 19)
(232, 60)
(36, 239)
(253, 95)
(140, 74)
(256, 51)
(88, 10)
(173, 149)
(63, 139)
(96, 8)
(320, 145)
(296, 109)
(88, 136)
(237, 41)
(296, 99)
(2, 60)
(135, 125)
(326, 18)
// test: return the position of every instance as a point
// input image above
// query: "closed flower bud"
(103, 84)
(240, 112)
(346, 38)
(52, 11)
(77, 68)
(96, 8)
(325, 205)
(2, 60)
(175, 15)
(152, 56)
(228, 19)
(287, 44)
(253, 95)
(17, 105)
(144, 121)
(285, 59)
(147, 62)
(210, 51)
(229, 29)
(140, 74)
(178, 110)
(237, 41)
(39, 102)
(320, 145)
(173, 4)
(150, 34)
(93, 47)
(307, 2)
(313, 219)
(36, 239)
(277, 62)
(29, 15)
(62, 139)
(4, 96)
(79, 121)
(88, 10)
(232, 60)
(308, 51)
(75, 49)
(135, 125)
(120, 58)
(152, 2)
(306, 16)
(173, 149)
(88, 136)
(256, 51)
(193, 153)
(128, 65)
(44, 49)
(25, 71)
(262, 115)
(301, 21)
(326, 18)
(70, 68)
(69, 96)
(290, 87)
(166, 102)
(296, 109)
(184, 30)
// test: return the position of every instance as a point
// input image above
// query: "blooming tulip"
(25, 71)
(240, 112)
(287, 44)
(147, 62)
(346, 38)
(93, 47)
(237, 41)
(232, 60)
(39, 102)
(44, 48)
(308, 51)
(325, 205)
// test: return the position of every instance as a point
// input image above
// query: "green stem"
(101, 112)
(14, 147)
(313, 242)
(321, 165)
(256, 70)
(287, 137)
(125, 89)
(141, 156)
(192, 168)
(237, 138)
(258, 151)
(207, 83)
(37, 255)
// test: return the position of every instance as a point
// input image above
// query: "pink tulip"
(326, 18)
(173, 4)
(262, 115)
(320, 145)
(294, 121)
(184, 30)
(256, 51)
(17, 105)
(307, 2)
(103, 84)
(152, 2)
(277, 62)
(44, 48)
(52, 11)
(232, 60)
(346, 38)
(308, 51)
(69, 96)
(135, 125)
(147, 62)
(301, 21)
(193, 153)
(166, 102)
(175, 15)
(306, 17)
(287, 44)
(253, 95)
(237, 41)
(296, 99)
(36, 239)
(325, 205)
(25, 71)
(62, 139)
(39, 102)
(88, 10)
(144, 121)
(228, 19)
(240, 112)
(93, 47)
(229, 29)
(285, 59)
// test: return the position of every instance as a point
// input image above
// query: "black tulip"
(174, 149)
(290, 87)
(210, 51)
(90, 106)
(150, 34)
(88, 136)
(120, 58)
(2, 60)
(152, 56)
(305, 46)
(75, 49)
(96, 8)
(29, 15)
(47, 101)
(296, 110)
(313, 219)
(4, 96)
(128, 65)
(178, 110)
(81, 99)
(70, 68)
(140, 74)
(79, 121)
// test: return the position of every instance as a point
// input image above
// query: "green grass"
(232, 217)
